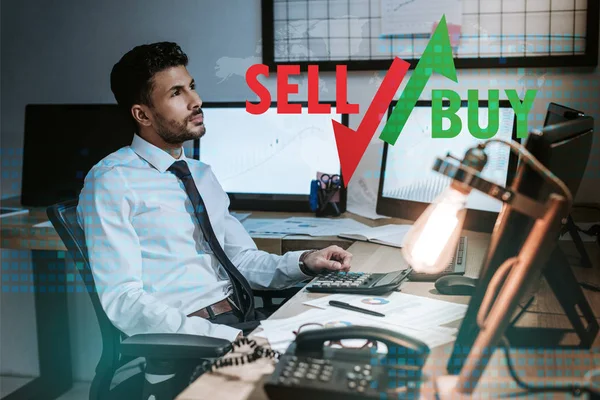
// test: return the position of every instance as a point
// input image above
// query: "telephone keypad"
(360, 380)
(313, 372)
(331, 379)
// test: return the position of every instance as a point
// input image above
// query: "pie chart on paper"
(335, 324)
(375, 301)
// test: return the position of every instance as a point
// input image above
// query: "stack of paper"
(413, 316)
(282, 332)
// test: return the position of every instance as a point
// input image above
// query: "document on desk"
(362, 198)
(240, 216)
(415, 312)
(311, 226)
(280, 332)
(254, 225)
(45, 224)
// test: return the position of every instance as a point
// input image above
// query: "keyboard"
(457, 265)
(357, 282)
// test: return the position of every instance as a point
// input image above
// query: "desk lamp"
(430, 244)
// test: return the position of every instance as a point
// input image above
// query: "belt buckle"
(222, 309)
(212, 313)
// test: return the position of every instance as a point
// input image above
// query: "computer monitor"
(557, 113)
(407, 183)
(552, 146)
(266, 162)
(62, 142)
(571, 168)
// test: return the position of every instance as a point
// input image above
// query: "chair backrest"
(64, 219)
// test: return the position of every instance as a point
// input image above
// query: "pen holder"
(324, 202)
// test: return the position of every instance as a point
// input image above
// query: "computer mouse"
(456, 285)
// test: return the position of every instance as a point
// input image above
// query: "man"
(165, 253)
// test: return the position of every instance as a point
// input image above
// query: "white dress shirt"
(150, 262)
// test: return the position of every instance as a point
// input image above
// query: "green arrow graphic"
(437, 57)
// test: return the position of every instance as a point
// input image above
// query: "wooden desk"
(49, 267)
(245, 382)
(18, 232)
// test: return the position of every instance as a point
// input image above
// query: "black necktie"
(242, 291)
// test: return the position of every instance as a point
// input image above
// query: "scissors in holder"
(330, 181)
(330, 185)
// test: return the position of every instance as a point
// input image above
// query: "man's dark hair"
(131, 78)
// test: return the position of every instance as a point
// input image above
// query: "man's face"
(175, 111)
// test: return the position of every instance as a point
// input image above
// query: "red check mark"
(352, 144)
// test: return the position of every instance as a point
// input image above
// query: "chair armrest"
(174, 346)
(279, 293)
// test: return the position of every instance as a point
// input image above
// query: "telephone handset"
(310, 370)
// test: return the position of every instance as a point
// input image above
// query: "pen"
(347, 306)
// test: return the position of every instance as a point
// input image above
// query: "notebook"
(389, 235)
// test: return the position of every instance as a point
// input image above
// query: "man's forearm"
(270, 271)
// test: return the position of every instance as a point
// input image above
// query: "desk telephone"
(310, 370)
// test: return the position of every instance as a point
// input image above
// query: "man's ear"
(140, 114)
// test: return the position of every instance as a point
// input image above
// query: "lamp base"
(445, 386)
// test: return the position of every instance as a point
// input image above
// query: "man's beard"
(174, 132)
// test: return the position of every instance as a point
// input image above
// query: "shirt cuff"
(294, 270)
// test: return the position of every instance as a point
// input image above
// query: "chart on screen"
(273, 153)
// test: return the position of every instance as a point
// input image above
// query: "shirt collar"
(158, 158)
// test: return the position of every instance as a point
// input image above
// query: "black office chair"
(163, 352)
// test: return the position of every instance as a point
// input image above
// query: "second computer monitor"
(266, 162)
(558, 113)
(570, 165)
(408, 183)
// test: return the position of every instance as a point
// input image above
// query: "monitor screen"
(267, 161)
(62, 142)
(408, 183)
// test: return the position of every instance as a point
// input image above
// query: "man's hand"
(332, 258)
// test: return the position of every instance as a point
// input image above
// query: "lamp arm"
(535, 164)
(493, 288)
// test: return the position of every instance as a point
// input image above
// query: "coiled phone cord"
(257, 353)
